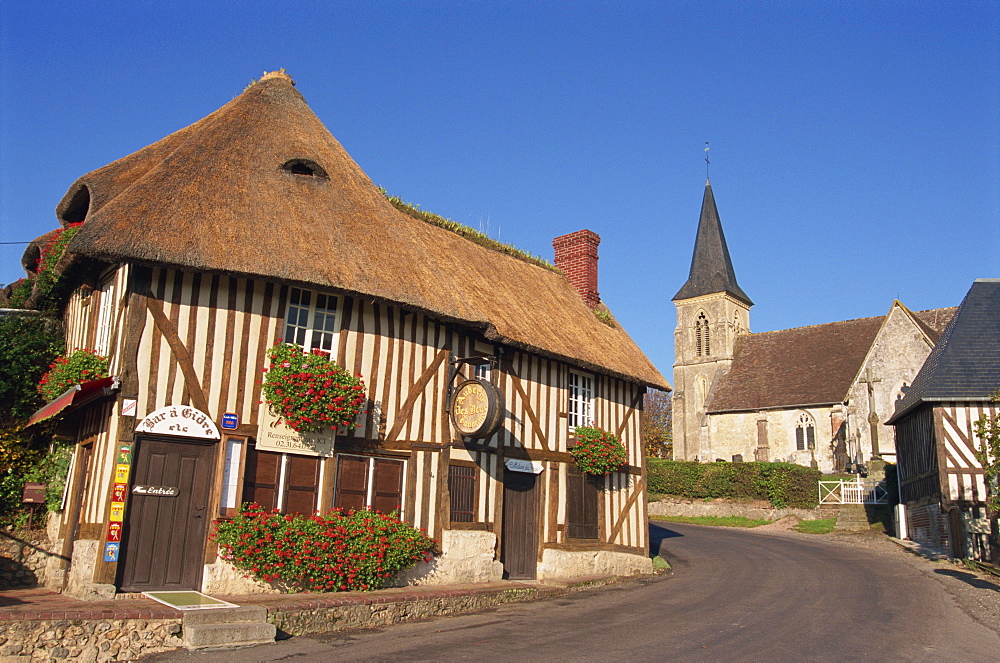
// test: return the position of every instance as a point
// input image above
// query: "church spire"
(711, 267)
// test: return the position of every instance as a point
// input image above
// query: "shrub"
(353, 550)
(781, 484)
(597, 451)
(79, 366)
(28, 344)
(309, 392)
(48, 285)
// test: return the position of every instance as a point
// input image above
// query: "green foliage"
(309, 391)
(77, 367)
(988, 454)
(28, 344)
(21, 460)
(656, 424)
(356, 550)
(597, 451)
(604, 316)
(20, 292)
(781, 484)
(821, 526)
(49, 287)
(717, 521)
(465, 231)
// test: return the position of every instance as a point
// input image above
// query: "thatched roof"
(232, 193)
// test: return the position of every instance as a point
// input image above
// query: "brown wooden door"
(387, 488)
(164, 536)
(519, 545)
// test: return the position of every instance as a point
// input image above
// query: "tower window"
(703, 345)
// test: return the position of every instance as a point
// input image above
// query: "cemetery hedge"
(781, 484)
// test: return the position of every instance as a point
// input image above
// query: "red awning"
(74, 397)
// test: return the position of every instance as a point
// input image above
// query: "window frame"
(304, 322)
(283, 480)
(579, 399)
(370, 482)
(805, 432)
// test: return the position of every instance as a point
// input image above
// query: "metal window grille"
(462, 487)
(581, 400)
(311, 320)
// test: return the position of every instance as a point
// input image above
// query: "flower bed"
(79, 366)
(339, 551)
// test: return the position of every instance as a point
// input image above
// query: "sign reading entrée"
(475, 408)
(275, 436)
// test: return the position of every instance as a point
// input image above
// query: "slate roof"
(805, 366)
(711, 267)
(260, 187)
(965, 364)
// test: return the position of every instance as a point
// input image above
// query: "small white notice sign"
(529, 466)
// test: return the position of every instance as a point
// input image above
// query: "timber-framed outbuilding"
(252, 225)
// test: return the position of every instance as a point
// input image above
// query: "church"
(816, 396)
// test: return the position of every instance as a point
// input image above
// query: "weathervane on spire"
(706, 160)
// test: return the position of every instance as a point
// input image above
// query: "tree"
(28, 344)
(656, 420)
(988, 431)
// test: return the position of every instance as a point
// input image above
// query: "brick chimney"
(576, 256)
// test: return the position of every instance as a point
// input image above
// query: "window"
(288, 483)
(105, 317)
(365, 482)
(462, 487)
(805, 433)
(311, 320)
(581, 399)
(703, 345)
(581, 504)
(483, 372)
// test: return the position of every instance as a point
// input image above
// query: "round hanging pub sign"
(476, 408)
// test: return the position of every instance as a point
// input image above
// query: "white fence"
(853, 491)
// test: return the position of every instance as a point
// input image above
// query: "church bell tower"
(712, 312)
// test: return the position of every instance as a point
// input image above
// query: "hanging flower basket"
(309, 392)
(77, 367)
(597, 451)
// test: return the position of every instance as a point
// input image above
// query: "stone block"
(243, 613)
(228, 635)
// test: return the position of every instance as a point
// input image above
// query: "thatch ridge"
(213, 196)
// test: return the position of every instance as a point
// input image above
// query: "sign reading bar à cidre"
(276, 436)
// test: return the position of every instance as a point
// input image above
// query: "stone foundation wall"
(692, 508)
(324, 620)
(565, 563)
(85, 641)
(469, 556)
(24, 558)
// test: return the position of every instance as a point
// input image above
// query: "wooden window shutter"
(581, 505)
(462, 486)
(260, 478)
(352, 483)
(387, 491)
(301, 484)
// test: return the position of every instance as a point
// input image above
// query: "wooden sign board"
(34, 493)
(276, 436)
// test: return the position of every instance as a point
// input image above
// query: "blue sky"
(855, 146)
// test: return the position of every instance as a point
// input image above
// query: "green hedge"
(781, 484)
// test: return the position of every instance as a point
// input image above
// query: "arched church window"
(703, 345)
(805, 433)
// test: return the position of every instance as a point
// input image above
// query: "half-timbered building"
(252, 225)
(941, 480)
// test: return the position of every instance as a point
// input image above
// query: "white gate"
(853, 491)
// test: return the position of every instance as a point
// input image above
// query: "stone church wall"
(736, 433)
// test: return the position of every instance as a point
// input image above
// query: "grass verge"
(822, 526)
(718, 521)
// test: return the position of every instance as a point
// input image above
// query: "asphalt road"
(734, 595)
